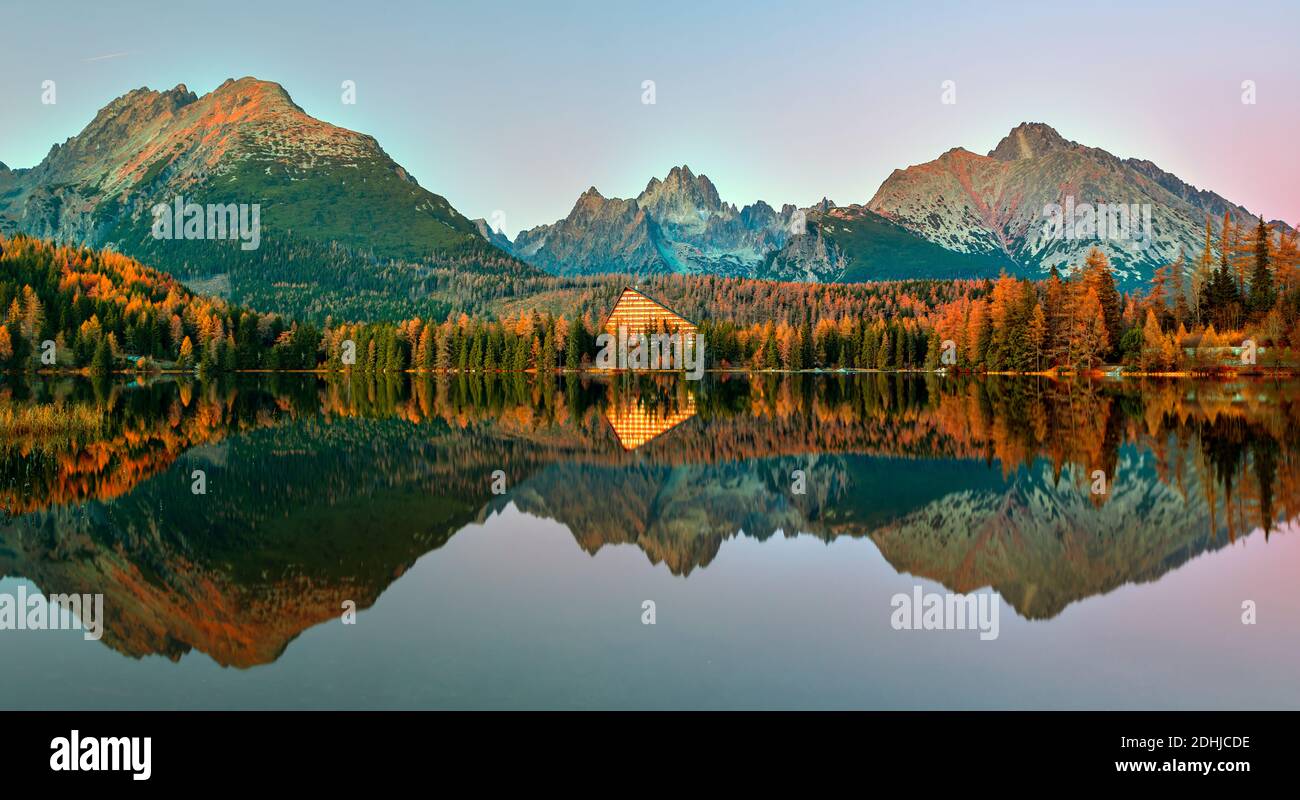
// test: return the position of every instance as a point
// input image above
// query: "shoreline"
(1108, 374)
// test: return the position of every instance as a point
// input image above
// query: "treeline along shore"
(1235, 309)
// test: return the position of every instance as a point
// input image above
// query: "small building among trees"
(639, 314)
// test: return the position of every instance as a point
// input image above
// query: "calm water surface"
(380, 492)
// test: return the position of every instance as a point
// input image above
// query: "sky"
(516, 108)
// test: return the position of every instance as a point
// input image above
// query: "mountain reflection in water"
(322, 490)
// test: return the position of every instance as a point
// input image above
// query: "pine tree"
(573, 348)
(1152, 343)
(548, 350)
(229, 356)
(519, 359)
(495, 358)
(796, 352)
(102, 363)
(1224, 295)
(443, 360)
(476, 351)
(973, 342)
(1006, 294)
(1087, 337)
(1182, 310)
(770, 358)
(1202, 277)
(1057, 316)
(1261, 277)
(933, 350)
(867, 356)
(426, 352)
(806, 342)
(1037, 333)
(1098, 277)
(462, 349)
(396, 353)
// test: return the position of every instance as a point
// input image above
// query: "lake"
(303, 541)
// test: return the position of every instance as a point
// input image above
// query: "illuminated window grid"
(635, 425)
(640, 314)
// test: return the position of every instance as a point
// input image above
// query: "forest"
(73, 308)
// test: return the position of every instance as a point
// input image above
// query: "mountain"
(599, 235)
(681, 225)
(676, 225)
(962, 215)
(494, 237)
(994, 205)
(1041, 542)
(330, 199)
(344, 230)
(244, 596)
(851, 244)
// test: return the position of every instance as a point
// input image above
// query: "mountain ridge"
(997, 203)
(340, 213)
(960, 215)
(327, 194)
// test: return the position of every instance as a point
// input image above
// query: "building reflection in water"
(636, 422)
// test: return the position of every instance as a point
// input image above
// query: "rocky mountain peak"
(1029, 140)
(993, 206)
(141, 105)
(681, 198)
(245, 141)
(679, 175)
(679, 223)
(265, 96)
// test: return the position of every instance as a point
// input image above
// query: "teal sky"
(520, 106)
